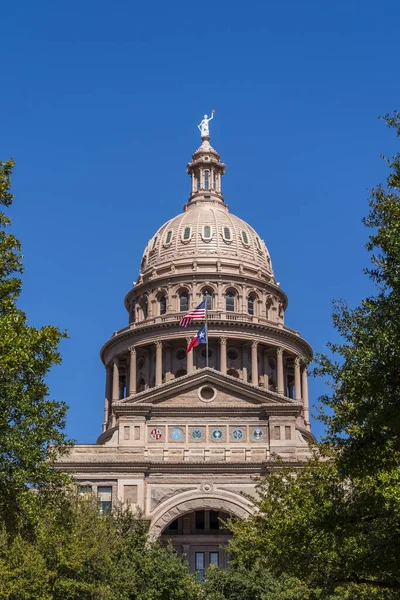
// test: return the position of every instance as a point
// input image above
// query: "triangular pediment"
(207, 388)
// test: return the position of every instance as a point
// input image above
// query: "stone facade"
(184, 437)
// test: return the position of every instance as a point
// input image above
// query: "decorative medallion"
(156, 434)
(206, 487)
(217, 435)
(238, 434)
(197, 434)
(257, 434)
(176, 434)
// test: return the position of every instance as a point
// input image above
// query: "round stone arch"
(230, 503)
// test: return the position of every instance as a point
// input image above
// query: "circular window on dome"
(203, 353)
(232, 354)
(207, 393)
(180, 354)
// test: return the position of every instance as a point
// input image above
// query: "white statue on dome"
(204, 129)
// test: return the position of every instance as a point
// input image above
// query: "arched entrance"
(195, 526)
(202, 536)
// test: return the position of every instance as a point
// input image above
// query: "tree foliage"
(335, 524)
(78, 554)
(363, 417)
(29, 419)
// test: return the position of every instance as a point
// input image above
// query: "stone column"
(279, 368)
(297, 384)
(107, 396)
(304, 386)
(222, 342)
(158, 362)
(115, 386)
(254, 362)
(189, 358)
(132, 371)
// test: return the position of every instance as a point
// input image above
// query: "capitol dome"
(206, 230)
(206, 233)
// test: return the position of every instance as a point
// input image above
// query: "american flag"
(197, 314)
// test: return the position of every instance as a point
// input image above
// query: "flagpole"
(205, 294)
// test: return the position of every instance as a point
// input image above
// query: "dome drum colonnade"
(206, 250)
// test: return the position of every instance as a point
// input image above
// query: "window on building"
(168, 238)
(215, 181)
(227, 234)
(207, 232)
(214, 519)
(85, 490)
(144, 305)
(187, 233)
(200, 561)
(163, 305)
(214, 558)
(154, 243)
(245, 237)
(200, 519)
(209, 298)
(250, 305)
(230, 301)
(104, 496)
(183, 301)
(206, 180)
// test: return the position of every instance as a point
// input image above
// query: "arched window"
(250, 305)
(154, 243)
(208, 296)
(230, 301)
(268, 306)
(183, 301)
(144, 305)
(168, 238)
(163, 304)
(206, 180)
(198, 182)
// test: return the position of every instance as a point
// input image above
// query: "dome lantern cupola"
(206, 169)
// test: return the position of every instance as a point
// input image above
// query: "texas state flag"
(199, 338)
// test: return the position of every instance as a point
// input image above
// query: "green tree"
(335, 523)
(29, 420)
(78, 554)
(363, 417)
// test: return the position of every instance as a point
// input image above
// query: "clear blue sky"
(99, 105)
